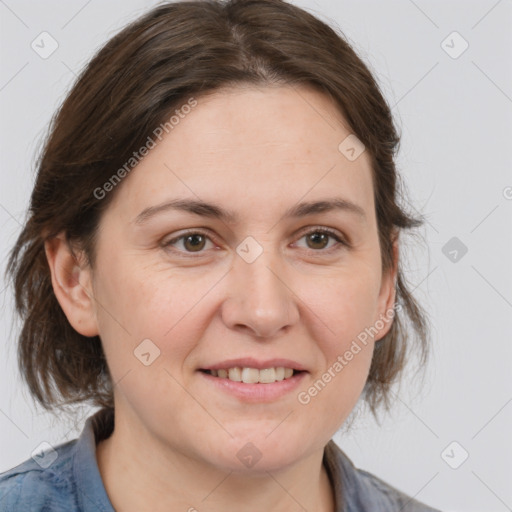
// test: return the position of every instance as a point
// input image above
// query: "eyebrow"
(214, 211)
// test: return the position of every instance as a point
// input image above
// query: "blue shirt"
(67, 479)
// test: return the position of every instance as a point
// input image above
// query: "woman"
(212, 257)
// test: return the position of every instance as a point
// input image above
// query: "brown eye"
(192, 242)
(318, 240)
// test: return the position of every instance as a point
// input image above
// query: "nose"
(260, 301)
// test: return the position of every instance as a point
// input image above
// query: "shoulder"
(360, 490)
(44, 482)
(393, 498)
(64, 478)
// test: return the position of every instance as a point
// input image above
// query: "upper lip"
(250, 362)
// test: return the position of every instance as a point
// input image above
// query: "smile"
(253, 375)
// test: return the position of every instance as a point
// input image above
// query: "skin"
(177, 436)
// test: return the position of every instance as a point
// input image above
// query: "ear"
(387, 295)
(72, 285)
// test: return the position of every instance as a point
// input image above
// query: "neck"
(156, 479)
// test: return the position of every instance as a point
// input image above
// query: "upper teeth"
(253, 375)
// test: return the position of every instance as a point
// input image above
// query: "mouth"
(249, 375)
(253, 380)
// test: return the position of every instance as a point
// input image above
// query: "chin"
(258, 453)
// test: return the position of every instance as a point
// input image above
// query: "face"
(185, 295)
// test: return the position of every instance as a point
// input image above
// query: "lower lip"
(256, 392)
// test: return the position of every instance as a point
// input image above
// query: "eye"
(318, 238)
(192, 242)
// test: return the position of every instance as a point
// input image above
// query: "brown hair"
(130, 87)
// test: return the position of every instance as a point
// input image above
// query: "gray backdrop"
(445, 67)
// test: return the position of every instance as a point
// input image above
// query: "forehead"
(253, 147)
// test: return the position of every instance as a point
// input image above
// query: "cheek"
(136, 303)
(135, 297)
(148, 325)
(344, 307)
(344, 312)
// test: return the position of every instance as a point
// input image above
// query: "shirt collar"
(91, 492)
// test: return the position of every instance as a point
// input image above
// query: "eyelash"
(341, 243)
